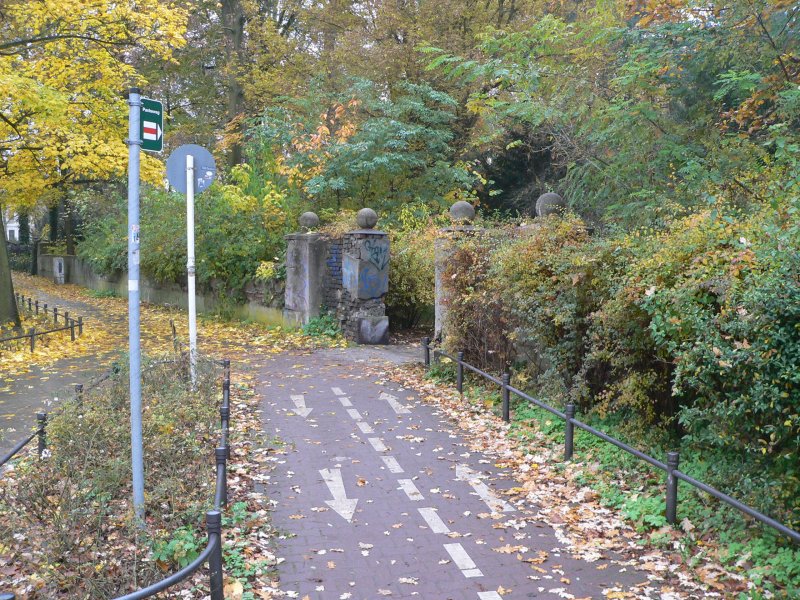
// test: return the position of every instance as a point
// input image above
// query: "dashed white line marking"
(377, 444)
(489, 596)
(410, 489)
(345, 401)
(364, 427)
(462, 560)
(392, 464)
(354, 414)
(464, 473)
(434, 521)
(396, 406)
(299, 402)
(338, 391)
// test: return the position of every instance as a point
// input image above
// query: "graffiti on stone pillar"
(376, 251)
(372, 282)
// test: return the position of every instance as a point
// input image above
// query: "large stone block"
(373, 330)
(305, 267)
(363, 279)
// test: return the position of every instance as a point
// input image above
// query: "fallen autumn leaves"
(582, 523)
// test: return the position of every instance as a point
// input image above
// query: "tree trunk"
(68, 228)
(53, 213)
(233, 21)
(24, 229)
(8, 303)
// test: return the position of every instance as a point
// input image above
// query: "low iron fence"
(670, 467)
(34, 307)
(212, 553)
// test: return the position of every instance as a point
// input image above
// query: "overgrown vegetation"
(695, 328)
(709, 533)
(240, 227)
(67, 521)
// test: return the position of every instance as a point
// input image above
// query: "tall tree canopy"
(64, 68)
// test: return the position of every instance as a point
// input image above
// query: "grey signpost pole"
(134, 148)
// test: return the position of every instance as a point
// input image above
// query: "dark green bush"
(694, 328)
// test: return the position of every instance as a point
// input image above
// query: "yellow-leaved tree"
(64, 68)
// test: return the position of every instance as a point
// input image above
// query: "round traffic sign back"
(205, 169)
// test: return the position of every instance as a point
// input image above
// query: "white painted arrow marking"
(464, 473)
(300, 405)
(433, 520)
(396, 406)
(411, 490)
(340, 503)
(377, 444)
(462, 560)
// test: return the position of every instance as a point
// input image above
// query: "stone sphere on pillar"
(462, 211)
(367, 218)
(309, 220)
(550, 204)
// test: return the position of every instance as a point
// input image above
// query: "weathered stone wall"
(265, 300)
(332, 281)
(347, 276)
(365, 280)
(444, 246)
(305, 271)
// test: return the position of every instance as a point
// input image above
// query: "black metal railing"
(673, 475)
(33, 306)
(212, 553)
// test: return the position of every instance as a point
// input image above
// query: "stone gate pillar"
(305, 270)
(462, 213)
(365, 281)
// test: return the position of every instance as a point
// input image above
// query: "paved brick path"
(378, 495)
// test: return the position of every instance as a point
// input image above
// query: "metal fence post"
(426, 351)
(673, 458)
(72, 329)
(224, 417)
(41, 420)
(222, 458)
(214, 529)
(66, 318)
(80, 325)
(460, 373)
(569, 432)
(37, 307)
(30, 304)
(226, 382)
(506, 397)
(55, 315)
(45, 308)
(32, 333)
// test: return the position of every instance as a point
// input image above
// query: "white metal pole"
(135, 355)
(190, 266)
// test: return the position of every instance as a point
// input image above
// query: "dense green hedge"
(694, 328)
(235, 230)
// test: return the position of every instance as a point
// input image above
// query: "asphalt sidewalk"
(376, 494)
